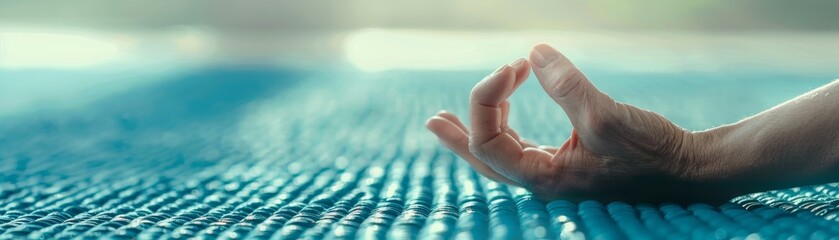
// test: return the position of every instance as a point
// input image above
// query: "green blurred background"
(264, 15)
(134, 41)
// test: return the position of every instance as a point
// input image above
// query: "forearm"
(795, 143)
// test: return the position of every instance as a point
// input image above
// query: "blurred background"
(63, 55)
(58, 55)
(375, 36)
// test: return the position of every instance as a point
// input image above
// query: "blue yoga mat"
(256, 152)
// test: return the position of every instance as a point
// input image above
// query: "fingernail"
(544, 55)
(517, 63)
(500, 69)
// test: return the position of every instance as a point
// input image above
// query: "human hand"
(616, 151)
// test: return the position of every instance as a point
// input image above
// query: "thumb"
(567, 86)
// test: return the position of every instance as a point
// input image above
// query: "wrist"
(716, 161)
(702, 155)
(691, 155)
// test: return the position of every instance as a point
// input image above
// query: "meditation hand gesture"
(615, 150)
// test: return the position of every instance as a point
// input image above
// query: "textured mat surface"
(261, 153)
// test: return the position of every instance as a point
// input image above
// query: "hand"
(615, 152)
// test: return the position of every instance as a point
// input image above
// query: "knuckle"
(476, 149)
(568, 84)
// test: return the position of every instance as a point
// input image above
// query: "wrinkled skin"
(616, 151)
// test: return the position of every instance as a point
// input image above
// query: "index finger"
(485, 104)
(489, 140)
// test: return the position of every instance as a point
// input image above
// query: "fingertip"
(503, 72)
(522, 67)
(445, 114)
(542, 54)
(444, 129)
(448, 116)
(519, 63)
(433, 123)
(521, 70)
(542, 45)
(494, 89)
(454, 119)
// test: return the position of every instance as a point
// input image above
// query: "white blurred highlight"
(375, 50)
(39, 48)
(21, 49)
